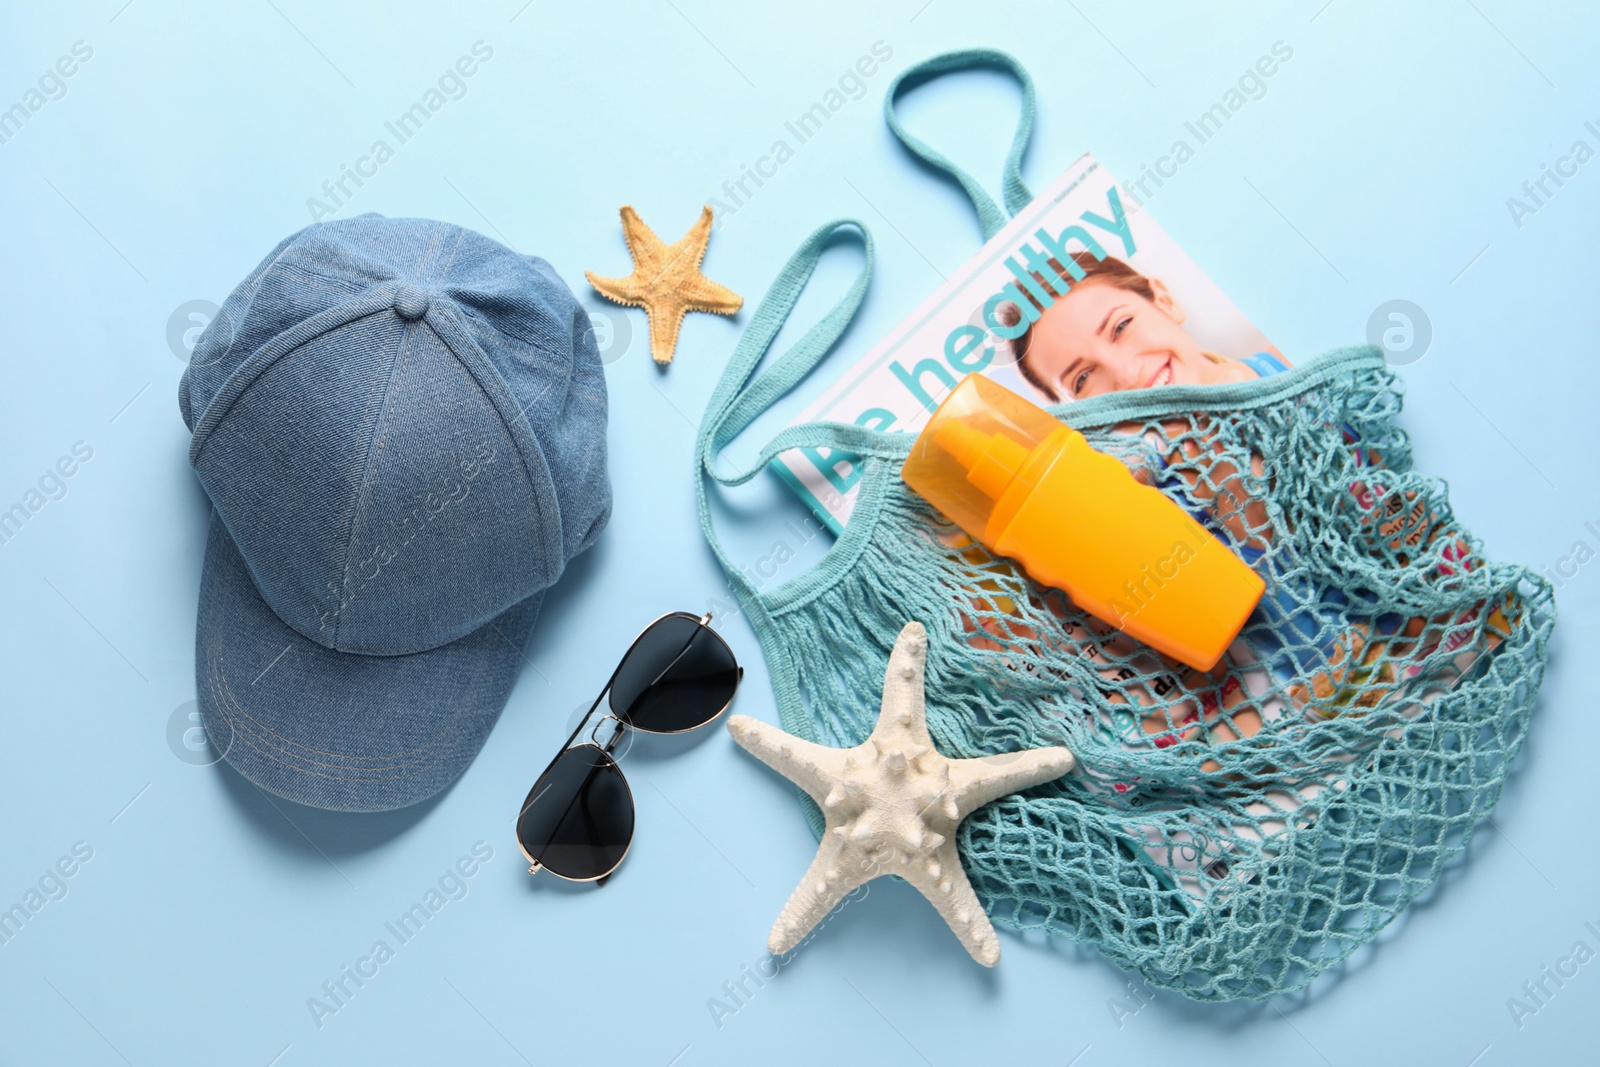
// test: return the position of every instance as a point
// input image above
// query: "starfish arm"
(824, 884)
(703, 294)
(976, 782)
(622, 290)
(643, 245)
(692, 245)
(904, 713)
(812, 767)
(680, 262)
(666, 319)
(943, 881)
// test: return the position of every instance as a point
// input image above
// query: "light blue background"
(1377, 166)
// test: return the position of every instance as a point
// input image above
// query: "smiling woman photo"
(1115, 330)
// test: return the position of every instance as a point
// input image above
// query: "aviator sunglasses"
(577, 821)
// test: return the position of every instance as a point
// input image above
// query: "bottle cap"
(973, 449)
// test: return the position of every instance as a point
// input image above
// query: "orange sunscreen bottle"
(1031, 488)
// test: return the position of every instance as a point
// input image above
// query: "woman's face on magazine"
(1103, 339)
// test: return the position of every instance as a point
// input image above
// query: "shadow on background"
(311, 834)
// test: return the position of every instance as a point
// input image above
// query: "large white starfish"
(892, 805)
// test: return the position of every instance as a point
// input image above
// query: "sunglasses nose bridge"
(616, 733)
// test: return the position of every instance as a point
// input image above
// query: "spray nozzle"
(991, 460)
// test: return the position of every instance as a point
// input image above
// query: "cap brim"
(336, 730)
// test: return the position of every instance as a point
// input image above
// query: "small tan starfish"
(666, 281)
(893, 804)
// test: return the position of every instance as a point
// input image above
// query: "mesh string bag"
(1229, 834)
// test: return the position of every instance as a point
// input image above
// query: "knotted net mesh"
(1233, 833)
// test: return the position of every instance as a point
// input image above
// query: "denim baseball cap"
(401, 425)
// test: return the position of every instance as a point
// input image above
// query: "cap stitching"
(298, 763)
(216, 675)
(223, 695)
(374, 457)
(532, 349)
(346, 286)
(543, 491)
(269, 355)
(422, 261)
(349, 518)
(538, 508)
(461, 235)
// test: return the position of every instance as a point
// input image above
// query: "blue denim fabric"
(401, 425)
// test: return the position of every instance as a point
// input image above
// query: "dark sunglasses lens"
(677, 676)
(578, 818)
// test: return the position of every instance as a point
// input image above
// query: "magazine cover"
(1080, 294)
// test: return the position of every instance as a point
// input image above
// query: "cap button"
(410, 302)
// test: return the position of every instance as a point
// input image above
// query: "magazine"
(1149, 317)
(1085, 222)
